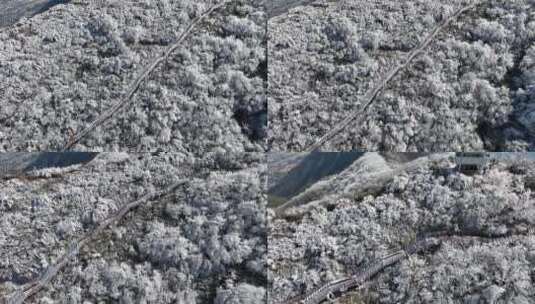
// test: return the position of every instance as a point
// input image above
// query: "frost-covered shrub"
(480, 59)
(372, 40)
(342, 38)
(355, 52)
(241, 294)
(239, 84)
(124, 283)
(166, 246)
(240, 27)
(340, 31)
(105, 30)
(348, 73)
(67, 228)
(490, 31)
(492, 104)
(527, 66)
(102, 208)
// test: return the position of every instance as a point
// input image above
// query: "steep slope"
(311, 169)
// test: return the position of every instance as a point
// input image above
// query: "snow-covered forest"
(350, 222)
(267, 151)
(202, 241)
(72, 64)
(471, 88)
